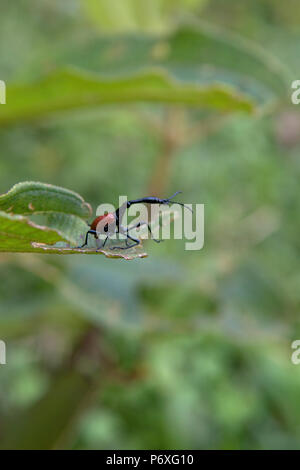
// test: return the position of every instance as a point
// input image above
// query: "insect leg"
(137, 242)
(103, 244)
(149, 229)
(86, 238)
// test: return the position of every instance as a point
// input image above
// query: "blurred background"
(182, 349)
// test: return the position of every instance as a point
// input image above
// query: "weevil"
(111, 223)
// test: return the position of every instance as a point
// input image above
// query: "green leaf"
(193, 66)
(70, 89)
(36, 198)
(193, 54)
(19, 234)
(110, 251)
(207, 54)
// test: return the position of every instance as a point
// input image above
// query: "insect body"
(101, 223)
(111, 223)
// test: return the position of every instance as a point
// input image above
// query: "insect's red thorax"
(102, 220)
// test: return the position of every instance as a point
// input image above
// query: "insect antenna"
(179, 203)
(175, 194)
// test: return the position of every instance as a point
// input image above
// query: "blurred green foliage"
(182, 349)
